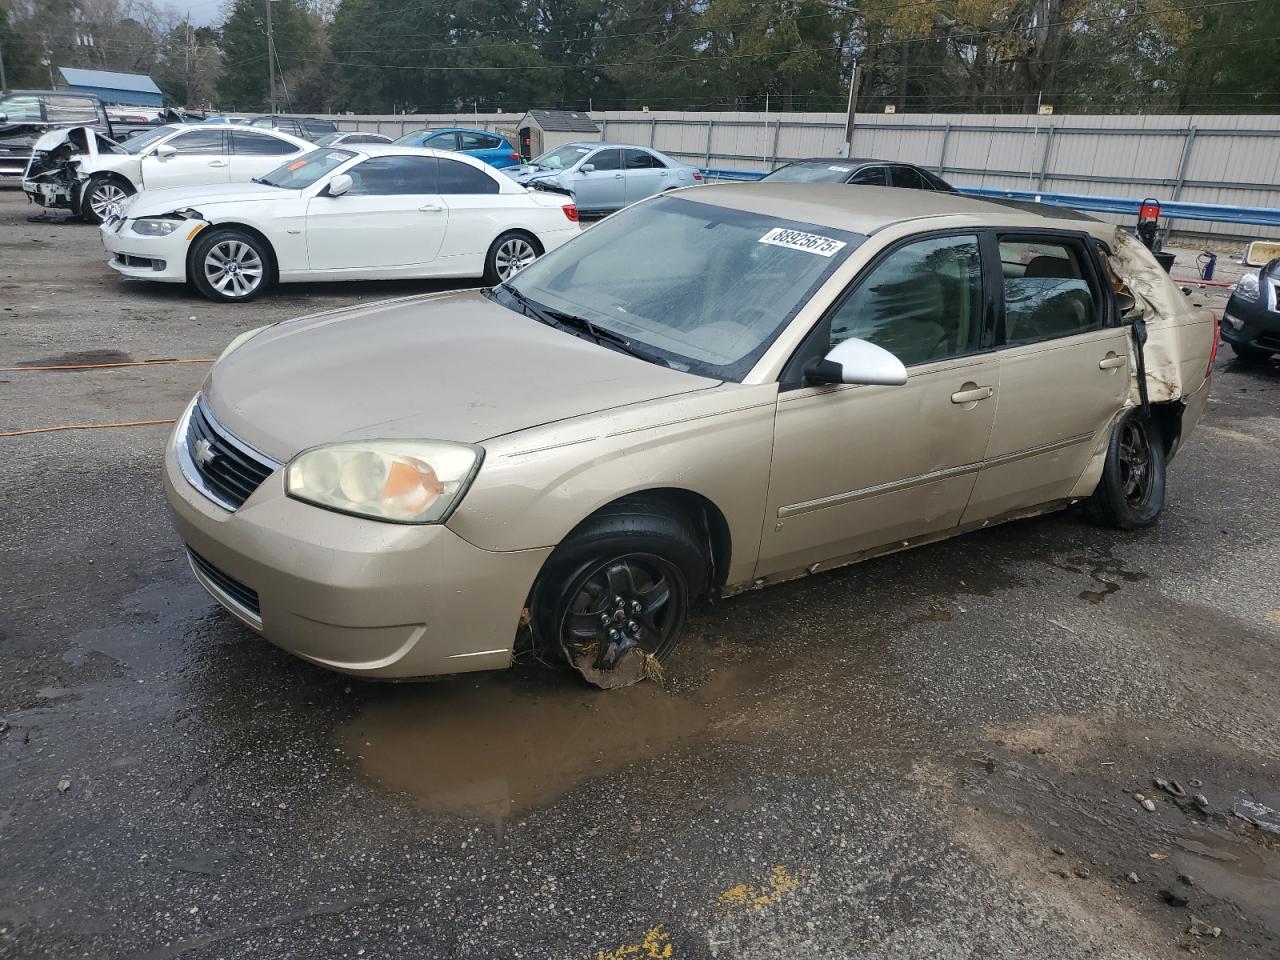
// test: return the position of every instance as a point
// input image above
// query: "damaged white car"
(83, 171)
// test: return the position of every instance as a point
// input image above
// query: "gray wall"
(1203, 159)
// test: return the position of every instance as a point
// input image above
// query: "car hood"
(453, 366)
(152, 203)
(526, 172)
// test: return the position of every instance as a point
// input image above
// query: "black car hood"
(22, 134)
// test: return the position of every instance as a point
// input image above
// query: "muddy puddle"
(1237, 869)
(496, 745)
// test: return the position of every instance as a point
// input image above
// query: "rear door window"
(908, 177)
(1049, 289)
(457, 177)
(922, 302)
(248, 143)
(478, 141)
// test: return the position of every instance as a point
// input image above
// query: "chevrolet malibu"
(713, 391)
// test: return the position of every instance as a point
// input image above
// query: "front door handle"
(617, 176)
(1111, 361)
(971, 393)
(217, 163)
(431, 208)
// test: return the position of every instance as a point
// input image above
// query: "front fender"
(537, 485)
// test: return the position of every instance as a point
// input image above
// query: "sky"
(203, 12)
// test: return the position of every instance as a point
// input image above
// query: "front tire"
(102, 195)
(230, 265)
(508, 255)
(1130, 493)
(615, 595)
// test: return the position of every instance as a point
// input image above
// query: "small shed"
(133, 89)
(543, 130)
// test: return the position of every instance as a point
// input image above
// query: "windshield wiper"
(569, 321)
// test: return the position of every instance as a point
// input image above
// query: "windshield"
(704, 288)
(821, 172)
(21, 109)
(140, 141)
(562, 157)
(306, 170)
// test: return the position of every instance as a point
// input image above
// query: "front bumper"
(1253, 323)
(146, 258)
(358, 596)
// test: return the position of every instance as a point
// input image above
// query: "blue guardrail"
(1169, 209)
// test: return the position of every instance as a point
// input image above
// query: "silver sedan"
(604, 177)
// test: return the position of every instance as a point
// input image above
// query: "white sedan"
(78, 170)
(340, 213)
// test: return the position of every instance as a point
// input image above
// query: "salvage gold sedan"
(714, 390)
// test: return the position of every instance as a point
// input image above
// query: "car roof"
(435, 130)
(403, 150)
(862, 209)
(852, 161)
(47, 93)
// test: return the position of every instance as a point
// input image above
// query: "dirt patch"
(77, 357)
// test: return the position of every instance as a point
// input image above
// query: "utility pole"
(271, 53)
(3, 85)
(854, 79)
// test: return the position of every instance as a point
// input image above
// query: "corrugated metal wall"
(1202, 159)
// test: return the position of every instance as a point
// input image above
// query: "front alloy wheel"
(233, 268)
(626, 612)
(513, 255)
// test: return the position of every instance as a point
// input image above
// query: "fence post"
(942, 154)
(653, 128)
(1044, 160)
(777, 132)
(604, 130)
(1185, 162)
(706, 163)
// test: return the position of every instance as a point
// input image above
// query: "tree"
(243, 84)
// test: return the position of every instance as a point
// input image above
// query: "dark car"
(27, 115)
(871, 173)
(309, 128)
(1251, 324)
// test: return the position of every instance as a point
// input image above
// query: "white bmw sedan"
(340, 213)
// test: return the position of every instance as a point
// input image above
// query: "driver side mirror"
(338, 185)
(856, 361)
(166, 152)
(587, 167)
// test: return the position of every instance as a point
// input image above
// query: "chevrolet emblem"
(204, 452)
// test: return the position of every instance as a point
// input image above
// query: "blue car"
(492, 148)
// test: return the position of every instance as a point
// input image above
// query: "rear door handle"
(431, 208)
(1111, 361)
(217, 163)
(971, 393)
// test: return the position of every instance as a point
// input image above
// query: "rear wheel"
(1130, 493)
(510, 254)
(1247, 354)
(230, 265)
(101, 197)
(615, 595)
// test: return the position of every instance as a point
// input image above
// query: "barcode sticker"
(808, 242)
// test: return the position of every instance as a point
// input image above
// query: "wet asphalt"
(932, 755)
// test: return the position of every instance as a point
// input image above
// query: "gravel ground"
(932, 755)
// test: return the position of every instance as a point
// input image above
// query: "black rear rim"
(636, 601)
(1135, 463)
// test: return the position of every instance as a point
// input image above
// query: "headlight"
(155, 226)
(241, 339)
(1247, 288)
(402, 481)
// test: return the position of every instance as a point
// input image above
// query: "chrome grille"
(223, 468)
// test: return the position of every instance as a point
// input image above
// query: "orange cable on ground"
(117, 363)
(85, 426)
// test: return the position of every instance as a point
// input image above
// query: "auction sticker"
(808, 242)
